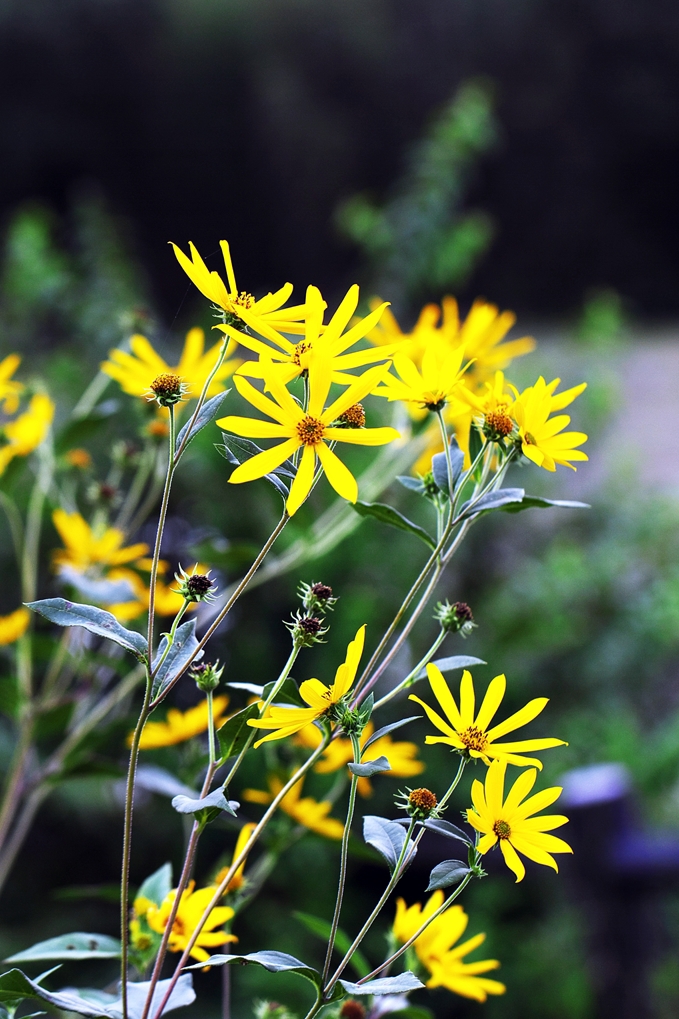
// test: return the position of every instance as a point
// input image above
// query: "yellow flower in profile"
(192, 905)
(462, 731)
(430, 387)
(293, 359)
(434, 948)
(10, 389)
(542, 438)
(238, 879)
(136, 371)
(28, 431)
(286, 721)
(265, 315)
(14, 625)
(180, 726)
(312, 431)
(311, 813)
(85, 547)
(402, 756)
(510, 820)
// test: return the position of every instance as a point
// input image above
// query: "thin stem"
(446, 450)
(344, 855)
(410, 678)
(159, 533)
(210, 730)
(171, 635)
(15, 522)
(201, 399)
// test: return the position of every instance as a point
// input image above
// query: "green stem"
(170, 636)
(201, 399)
(344, 856)
(210, 730)
(449, 464)
(410, 678)
(159, 534)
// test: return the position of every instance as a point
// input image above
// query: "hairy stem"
(159, 534)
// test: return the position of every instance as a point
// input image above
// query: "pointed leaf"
(451, 831)
(71, 946)
(445, 874)
(439, 466)
(237, 450)
(491, 501)
(530, 501)
(183, 648)
(387, 838)
(401, 984)
(208, 412)
(475, 442)
(371, 768)
(215, 800)
(274, 962)
(388, 515)
(236, 732)
(379, 733)
(182, 994)
(322, 929)
(68, 613)
(449, 664)
(157, 885)
(413, 484)
(248, 687)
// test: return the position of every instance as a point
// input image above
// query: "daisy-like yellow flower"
(265, 316)
(14, 625)
(135, 371)
(180, 726)
(402, 756)
(85, 547)
(434, 948)
(510, 822)
(312, 430)
(463, 731)
(191, 908)
(542, 438)
(286, 721)
(29, 430)
(430, 387)
(307, 811)
(10, 389)
(238, 879)
(293, 359)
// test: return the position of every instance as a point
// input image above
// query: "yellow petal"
(512, 860)
(491, 702)
(337, 473)
(304, 477)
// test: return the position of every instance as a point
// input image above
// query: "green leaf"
(530, 501)
(206, 807)
(208, 412)
(71, 946)
(235, 733)
(274, 962)
(449, 664)
(379, 733)
(14, 987)
(387, 837)
(413, 484)
(157, 885)
(370, 768)
(288, 692)
(322, 929)
(68, 613)
(475, 442)
(401, 984)
(491, 501)
(447, 873)
(182, 651)
(439, 466)
(388, 515)
(451, 831)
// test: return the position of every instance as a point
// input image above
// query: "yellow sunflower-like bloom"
(14, 625)
(10, 389)
(402, 756)
(265, 316)
(192, 905)
(286, 721)
(85, 547)
(434, 948)
(180, 726)
(307, 811)
(238, 879)
(464, 732)
(331, 341)
(542, 438)
(312, 430)
(430, 387)
(510, 820)
(29, 430)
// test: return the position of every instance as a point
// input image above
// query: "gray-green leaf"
(449, 664)
(401, 984)
(370, 768)
(182, 651)
(450, 872)
(379, 733)
(208, 412)
(68, 613)
(388, 515)
(387, 837)
(274, 962)
(491, 501)
(157, 885)
(215, 800)
(71, 946)
(530, 501)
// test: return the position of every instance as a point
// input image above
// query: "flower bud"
(306, 629)
(167, 389)
(207, 676)
(352, 1009)
(455, 618)
(419, 804)
(316, 597)
(195, 587)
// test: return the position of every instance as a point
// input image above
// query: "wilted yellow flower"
(286, 721)
(85, 547)
(293, 359)
(307, 811)
(464, 732)
(542, 438)
(402, 756)
(10, 390)
(314, 430)
(509, 820)
(180, 726)
(238, 879)
(14, 625)
(26, 432)
(192, 905)
(434, 948)
(136, 371)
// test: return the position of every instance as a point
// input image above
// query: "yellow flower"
(432, 386)
(293, 359)
(307, 811)
(136, 371)
(464, 732)
(10, 390)
(312, 430)
(509, 820)
(286, 721)
(542, 438)
(192, 905)
(14, 625)
(434, 948)
(401, 755)
(85, 547)
(238, 880)
(180, 726)
(79, 458)
(28, 431)
(265, 316)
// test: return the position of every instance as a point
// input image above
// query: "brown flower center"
(310, 431)
(423, 799)
(354, 417)
(530, 439)
(244, 299)
(300, 348)
(499, 423)
(167, 385)
(502, 829)
(474, 739)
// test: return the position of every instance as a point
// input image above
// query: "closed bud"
(316, 597)
(455, 618)
(306, 629)
(207, 676)
(195, 587)
(420, 804)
